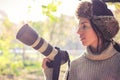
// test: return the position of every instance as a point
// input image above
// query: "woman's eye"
(84, 27)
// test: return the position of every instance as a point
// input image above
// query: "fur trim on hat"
(84, 10)
(108, 25)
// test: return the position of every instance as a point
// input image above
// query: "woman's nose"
(79, 31)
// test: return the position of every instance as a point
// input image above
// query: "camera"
(29, 36)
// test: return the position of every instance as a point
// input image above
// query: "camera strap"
(56, 66)
(117, 46)
(61, 56)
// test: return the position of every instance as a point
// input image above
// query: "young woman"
(101, 60)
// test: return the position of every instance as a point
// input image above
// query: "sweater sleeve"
(48, 73)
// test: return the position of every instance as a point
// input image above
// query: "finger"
(45, 60)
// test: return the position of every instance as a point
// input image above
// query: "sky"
(17, 10)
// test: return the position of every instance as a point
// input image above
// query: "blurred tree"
(50, 9)
(6, 32)
(56, 30)
(5, 40)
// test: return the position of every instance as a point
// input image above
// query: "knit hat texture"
(98, 12)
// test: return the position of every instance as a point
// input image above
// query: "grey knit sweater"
(105, 66)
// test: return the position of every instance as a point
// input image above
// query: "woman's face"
(87, 35)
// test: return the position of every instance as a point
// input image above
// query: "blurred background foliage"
(16, 60)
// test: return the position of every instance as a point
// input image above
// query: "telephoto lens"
(29, 36)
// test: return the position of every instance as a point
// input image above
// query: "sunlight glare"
(18, 10)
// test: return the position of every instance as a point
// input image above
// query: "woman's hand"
(45, 60)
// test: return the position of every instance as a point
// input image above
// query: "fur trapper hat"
(98, 12)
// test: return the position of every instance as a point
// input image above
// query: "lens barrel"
(29, 37)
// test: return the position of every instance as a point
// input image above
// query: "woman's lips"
(82, 39)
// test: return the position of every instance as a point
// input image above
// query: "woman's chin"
(84, 44)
